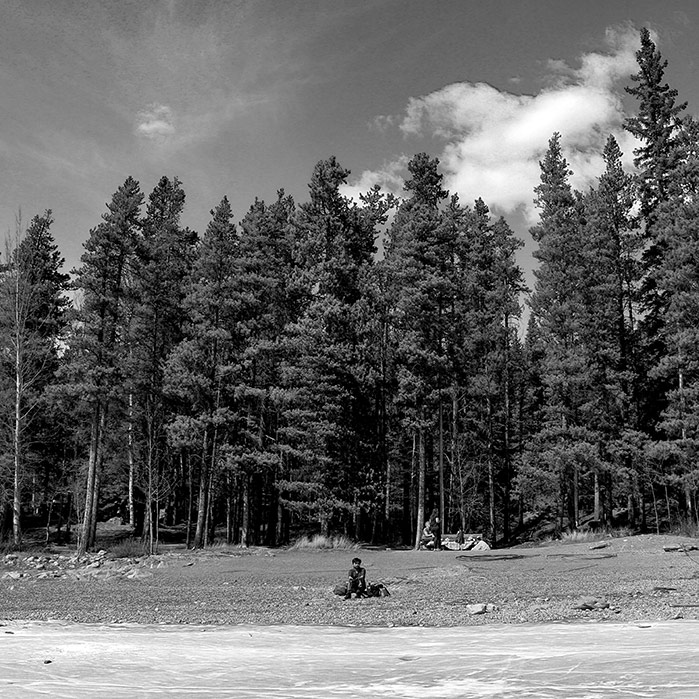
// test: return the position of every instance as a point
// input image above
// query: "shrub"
(582, 536)
(127, 548)
(688, 527)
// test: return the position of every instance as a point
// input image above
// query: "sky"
(242, 98)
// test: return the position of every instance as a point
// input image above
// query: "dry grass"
(127, 548)
(320, 542)
(587, 536)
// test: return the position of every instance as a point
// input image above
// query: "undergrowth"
(581, 537)
(127, 548)
(319, 541)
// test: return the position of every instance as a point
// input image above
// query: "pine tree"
(677, 279)
(558, 309)
(165, 257)
(611, 248)
(32, 315)
(419, 254)
(656, 125)
(98, 345)
(202, 369)
(272, 298)
(326, 427)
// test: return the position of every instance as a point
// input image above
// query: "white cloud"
(156, 123)
(390, 178)
(493, 140)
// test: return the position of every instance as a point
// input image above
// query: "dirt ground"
(645, 577)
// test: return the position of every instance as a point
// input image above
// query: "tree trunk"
(132, 512)
(19, 323)
(210, 523)
(441, 462)
(422, 473)
(95, 501)
(455, 461)
(245, 518)
(90, 495)
(17, 448)
(199, 535)
(491, 500)
(148, 523)
(506, 433)
(576, 497)
(491, 478)
(190, 497)
(384, 432)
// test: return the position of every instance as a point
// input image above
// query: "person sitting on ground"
(436, 529)
(427, 539)
(357, 579)
(480, 545)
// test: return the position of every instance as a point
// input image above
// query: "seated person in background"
(475, 543)
(480, 545)
(357, 579)
(436, 529)
(427, 540)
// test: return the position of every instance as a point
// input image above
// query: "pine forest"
(351, 367)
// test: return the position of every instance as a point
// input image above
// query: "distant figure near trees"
(436, 529)
(427, 539)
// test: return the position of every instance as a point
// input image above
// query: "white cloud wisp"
(156, 123)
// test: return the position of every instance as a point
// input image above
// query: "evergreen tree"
(611, 249)
(677, 368)
(202, 369)
(272, 297)
(558, 309)
(98, 346)
(326, 427)
(419, 255)
(656, 125)
(165, 256)
(32, 315)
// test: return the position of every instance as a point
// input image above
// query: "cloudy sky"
(241, 98)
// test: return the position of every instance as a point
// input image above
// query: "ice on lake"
(54, 659)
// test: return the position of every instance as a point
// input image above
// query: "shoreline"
(618, 580)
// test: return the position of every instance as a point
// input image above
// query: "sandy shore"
(643, 577)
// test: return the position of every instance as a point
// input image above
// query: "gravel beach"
(645, 577)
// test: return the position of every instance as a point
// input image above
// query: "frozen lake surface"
(556, 660)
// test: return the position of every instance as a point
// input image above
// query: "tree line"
(276, 375)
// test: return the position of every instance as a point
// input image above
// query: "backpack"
(377, 590)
